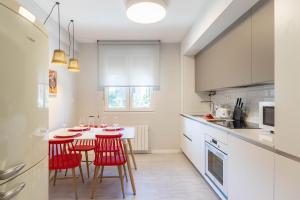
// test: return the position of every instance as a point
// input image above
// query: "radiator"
(140, 143)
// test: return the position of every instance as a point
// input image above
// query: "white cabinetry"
(251, 171)
(287, 176)
(192, 142)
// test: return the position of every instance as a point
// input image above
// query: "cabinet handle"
(187, 137)
(11, 193)
(6, 174)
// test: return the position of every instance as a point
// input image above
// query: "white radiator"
(140, 143)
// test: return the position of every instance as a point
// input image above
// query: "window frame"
(129, 102)
(106, 105)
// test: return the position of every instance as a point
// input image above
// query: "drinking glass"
(115, 122)
(81, 121)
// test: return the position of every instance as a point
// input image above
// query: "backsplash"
(251, 97)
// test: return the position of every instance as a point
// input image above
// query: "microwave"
(267, 116)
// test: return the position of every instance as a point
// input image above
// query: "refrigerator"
(23, 104)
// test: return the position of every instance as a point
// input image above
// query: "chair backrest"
(85, 142)
(109, 147)
(60, 154)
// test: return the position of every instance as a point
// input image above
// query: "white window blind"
(128, 64)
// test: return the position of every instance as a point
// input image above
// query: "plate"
(113, 129)
(67, 135)
(79, 129)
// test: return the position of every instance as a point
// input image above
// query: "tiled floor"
(159, 177)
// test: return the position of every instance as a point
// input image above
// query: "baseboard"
(165, 151)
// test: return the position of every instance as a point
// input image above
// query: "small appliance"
(267, 116)
(222, 112)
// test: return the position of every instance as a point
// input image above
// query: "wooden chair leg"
(54, 179)
(87, 164)
(81, 174)
(125, 173)
(101, 174)
(66, 172)
(121, 179)
(132, 154)
(75, 183)
(95, 181)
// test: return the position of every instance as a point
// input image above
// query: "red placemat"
(71, 136)
(111, 129)
(79, 129)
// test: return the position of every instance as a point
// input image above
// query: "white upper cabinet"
(251, 171)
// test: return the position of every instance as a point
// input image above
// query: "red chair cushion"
(110, 161)
(66, 161)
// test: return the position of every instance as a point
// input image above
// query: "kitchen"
(190, 99)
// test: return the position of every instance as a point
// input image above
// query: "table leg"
(132, 154)
(129, 168)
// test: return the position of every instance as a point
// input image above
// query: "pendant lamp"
(73, 62)
(59, 56)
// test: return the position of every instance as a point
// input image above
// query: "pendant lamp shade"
(73, 62)
(74, 65)
(59, 57)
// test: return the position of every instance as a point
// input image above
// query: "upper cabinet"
(263, 42)
(227, 61)
(243, 55)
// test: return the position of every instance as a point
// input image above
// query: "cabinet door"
(198, 147)
(263, 42)
(251, 171)
(35, 180)
(287, 176)
(227, 61)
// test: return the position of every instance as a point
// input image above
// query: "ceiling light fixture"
(73, 62)
(146, 11)
(59, 57)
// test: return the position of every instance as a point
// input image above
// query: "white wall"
(62, 110)
(191, 101)
(164, 122)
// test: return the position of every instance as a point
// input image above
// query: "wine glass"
(115, 122)
(81, 121)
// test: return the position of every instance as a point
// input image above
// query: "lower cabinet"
(287, 179)
(250, 171)
(192, 143)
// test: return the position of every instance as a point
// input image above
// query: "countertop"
(257, 137)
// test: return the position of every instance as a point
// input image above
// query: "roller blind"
(128, 64)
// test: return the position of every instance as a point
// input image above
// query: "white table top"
(128, 133)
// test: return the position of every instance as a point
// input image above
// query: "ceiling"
(106, 20)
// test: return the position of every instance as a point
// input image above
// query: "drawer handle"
(11, 193)
(187, 137)
(6, 174)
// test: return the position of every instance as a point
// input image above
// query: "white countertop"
(256, 136)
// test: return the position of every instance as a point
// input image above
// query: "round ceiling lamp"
(146, 11)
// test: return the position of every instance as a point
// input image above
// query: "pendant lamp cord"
(70, 42)
(56, 4)
(73, 39)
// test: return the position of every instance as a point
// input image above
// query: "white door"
(31, 185)
(23, 96)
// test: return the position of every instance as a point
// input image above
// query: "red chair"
(60, 158)
(85, 146)
(109, 151)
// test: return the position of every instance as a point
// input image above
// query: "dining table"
(128, 133)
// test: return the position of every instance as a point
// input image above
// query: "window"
(128, 99)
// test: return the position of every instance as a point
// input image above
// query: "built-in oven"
(216, 164)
